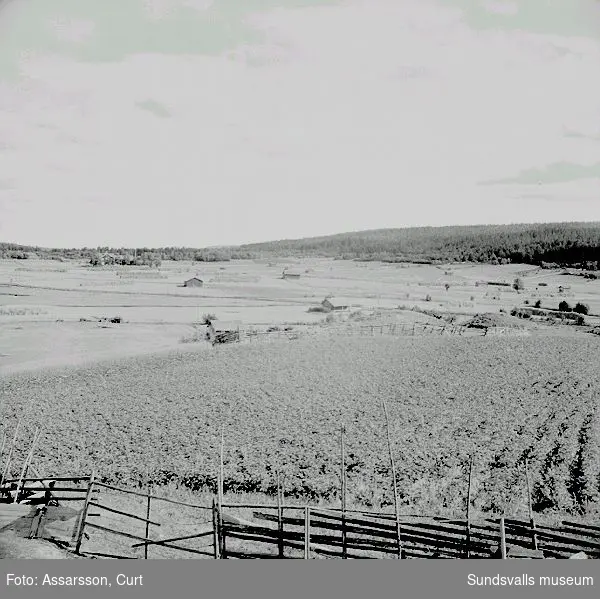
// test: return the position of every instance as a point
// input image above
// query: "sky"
(220, 122)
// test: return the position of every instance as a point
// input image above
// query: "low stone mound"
(489, 320)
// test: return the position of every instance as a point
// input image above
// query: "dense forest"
(565, 244)
(554, 244)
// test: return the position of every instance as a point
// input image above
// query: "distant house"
(223, 330)
(291, 274)
(335, 303)
(193, 282)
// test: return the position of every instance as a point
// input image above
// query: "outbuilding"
(335, 303)
(193, 282)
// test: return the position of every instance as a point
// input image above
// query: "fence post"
(148, 519)
(307, 532)
(84, 511)
(215, 515)
(279, 517)
(531, 520)
(469, 509)
(502, 538)
(343, 476)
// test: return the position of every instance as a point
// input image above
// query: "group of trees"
(580, 308)
(566, 244)
(546, 245)
(123, 256)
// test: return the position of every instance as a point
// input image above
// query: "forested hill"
(564, 244)
(569, 244)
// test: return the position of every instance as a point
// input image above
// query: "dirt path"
(14, 547)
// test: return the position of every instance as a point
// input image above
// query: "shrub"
(564, 306)
(518, 284)
(581, 308)
(318, 309)
(538, 304)
(208, 318)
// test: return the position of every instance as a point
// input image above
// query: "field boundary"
(308, 531)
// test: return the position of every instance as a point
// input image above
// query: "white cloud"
(501, 7)
(72, 30)
(373, 114)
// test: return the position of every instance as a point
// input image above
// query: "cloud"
(316, 120)
(559, 172)
(72, 30)
(155, 108)
(501, 8)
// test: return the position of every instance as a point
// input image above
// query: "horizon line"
(240, 245)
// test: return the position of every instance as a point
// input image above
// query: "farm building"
(335, 303)
(193, 282)
(222, 330)
(291, 274)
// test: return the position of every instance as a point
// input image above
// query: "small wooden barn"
(335, 303)
(222, 331)
(291, 274)
(193, 282)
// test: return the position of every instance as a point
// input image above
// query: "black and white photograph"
(300, 279)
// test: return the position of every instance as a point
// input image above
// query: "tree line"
(546, 245)
(555, 244)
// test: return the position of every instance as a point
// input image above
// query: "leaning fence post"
(307, 532)
(148, 519)
(469, 510)
(84, 511)
(531, 520)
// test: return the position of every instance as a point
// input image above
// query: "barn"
(291, 274)
(335, 303)
(193, 282)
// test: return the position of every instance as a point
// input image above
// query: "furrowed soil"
(281, 405)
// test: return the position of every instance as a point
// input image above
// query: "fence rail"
(308, 532)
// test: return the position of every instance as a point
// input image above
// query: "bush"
(564, 306)
(318, 309)
(538, 304)
(208, 318)
(581, 308)
(518, 284)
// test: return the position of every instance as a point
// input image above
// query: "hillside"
(564, 244)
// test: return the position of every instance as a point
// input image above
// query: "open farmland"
(500, 399)
(42, 302)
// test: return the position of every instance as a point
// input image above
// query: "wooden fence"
(309, 532)
(287, 531)
(60, 520)
(144, 521)
(420, 328)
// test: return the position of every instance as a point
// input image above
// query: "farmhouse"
(335, 303)
(193, 282)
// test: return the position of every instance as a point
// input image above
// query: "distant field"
(42, 302)
(499, 399)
